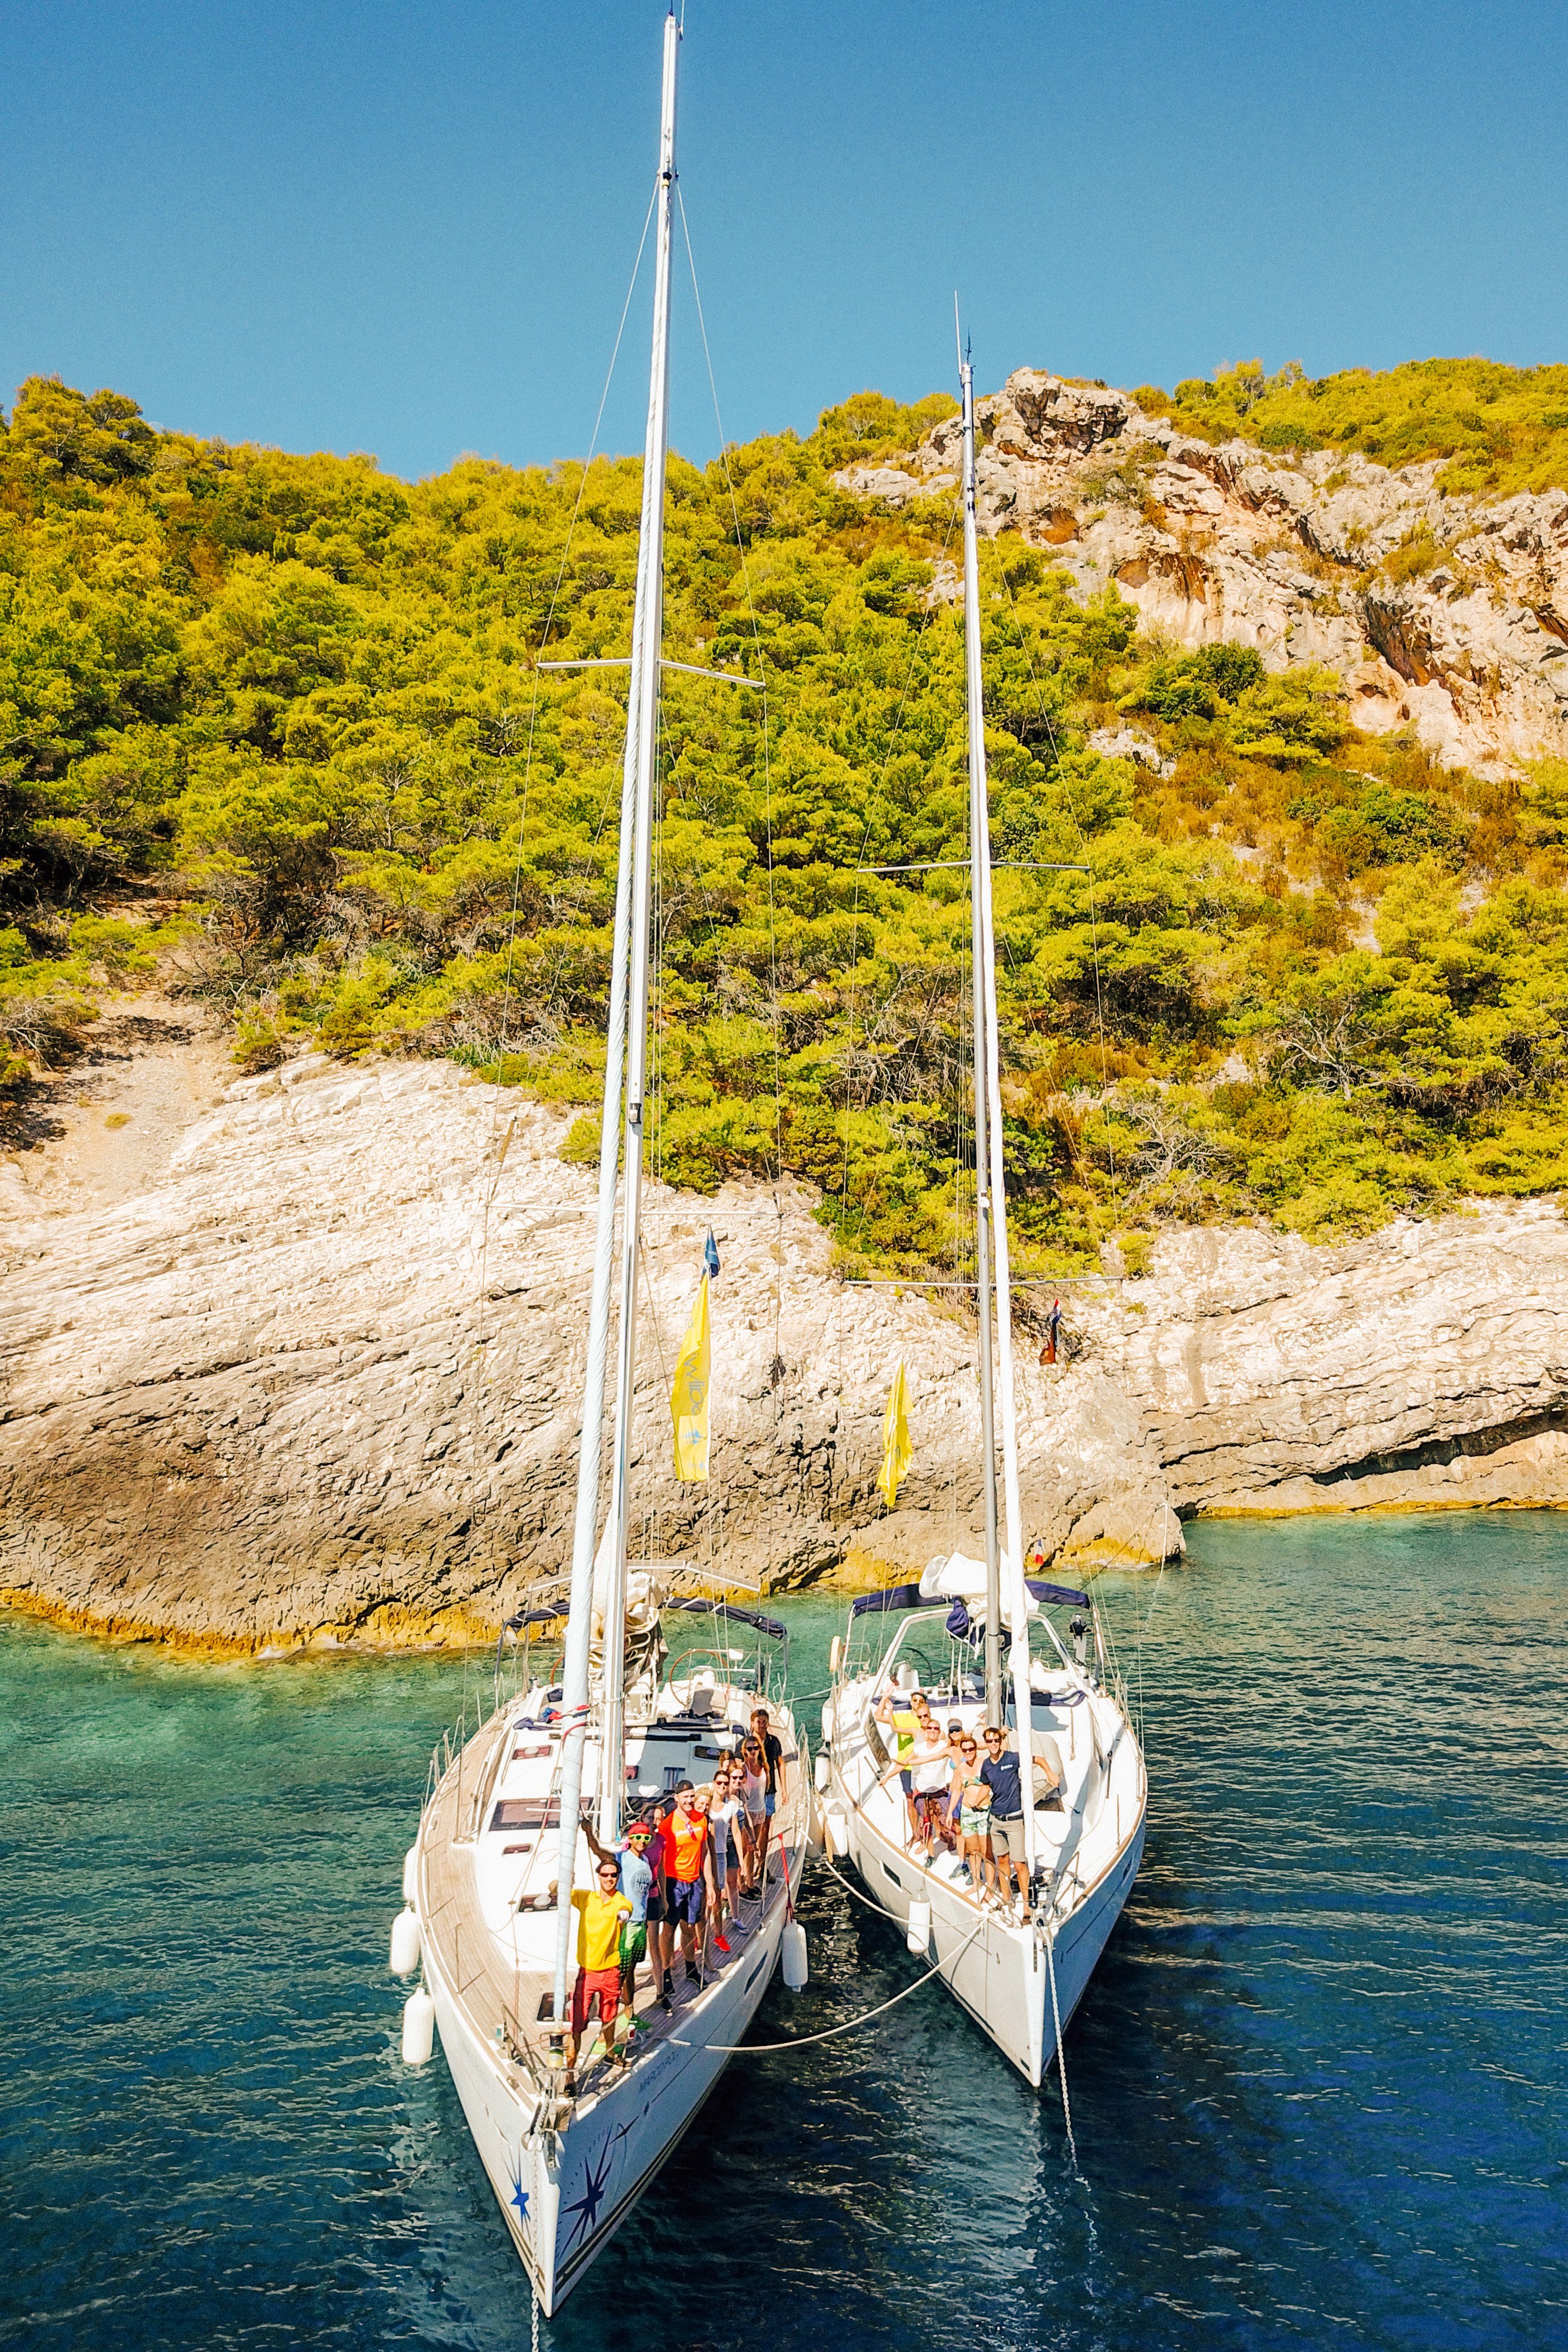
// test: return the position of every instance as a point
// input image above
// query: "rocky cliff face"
(318, 1379)
(1290, 554)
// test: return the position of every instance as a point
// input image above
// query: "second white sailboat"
(1020, 1966)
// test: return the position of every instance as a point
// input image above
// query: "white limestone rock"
(321, 1378)
(1286, 552)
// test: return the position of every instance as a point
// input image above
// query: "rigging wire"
(873, 801)
(767, 788)
(1028, 652)
(484, 1251)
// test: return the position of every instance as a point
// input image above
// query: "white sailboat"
(1020, 1978)
(502, 1825)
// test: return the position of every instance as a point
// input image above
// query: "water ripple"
(1320, 2084)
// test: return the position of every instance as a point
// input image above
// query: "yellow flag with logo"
(689, 1398)
(897, 1454)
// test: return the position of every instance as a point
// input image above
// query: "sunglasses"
(967, 1748)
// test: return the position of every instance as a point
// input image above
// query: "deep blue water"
(1320, 2084)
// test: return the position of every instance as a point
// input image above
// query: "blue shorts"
(767, 1804)
(684, 1901)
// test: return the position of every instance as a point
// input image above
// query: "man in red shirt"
(684, 1845)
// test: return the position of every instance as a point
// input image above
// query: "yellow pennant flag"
(897, 1454)
(689, 1398)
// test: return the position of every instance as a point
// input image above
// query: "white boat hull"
(565, 2172)
(563, 2203)
(1088, 1847)
(1000, 1973)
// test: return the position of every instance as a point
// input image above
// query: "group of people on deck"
(965, 1794)
(681, 1873)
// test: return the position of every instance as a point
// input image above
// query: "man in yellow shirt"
(600, 1912)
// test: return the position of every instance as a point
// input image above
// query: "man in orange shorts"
(600, 1912)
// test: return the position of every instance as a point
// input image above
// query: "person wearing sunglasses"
(970, 1807)
(599, 1908)
(754, 1793)
(1003, 1775)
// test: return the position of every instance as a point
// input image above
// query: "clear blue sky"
(408, 228)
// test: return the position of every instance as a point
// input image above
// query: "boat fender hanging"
(822, 1771)
(418, 2028)
(794, 1957)
(816, 1836)
(918, 1934)
(835, 1651)
(836, 1826)
(409, 1873)
(405, 1943)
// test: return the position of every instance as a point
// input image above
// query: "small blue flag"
(710, 1256)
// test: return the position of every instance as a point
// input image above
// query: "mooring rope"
(830, 2033)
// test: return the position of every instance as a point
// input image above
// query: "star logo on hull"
(519, 2198)
(586, 2207)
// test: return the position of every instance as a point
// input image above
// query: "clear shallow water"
(1320, 2082)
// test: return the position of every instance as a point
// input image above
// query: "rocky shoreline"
(314, 1383)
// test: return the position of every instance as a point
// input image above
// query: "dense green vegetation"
(1501, 428)
(281, 714)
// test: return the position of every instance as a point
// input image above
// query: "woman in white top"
(727, 1814)
(932, 1768)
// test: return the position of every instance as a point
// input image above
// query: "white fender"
(405, 1943)
(918, 1934)
(418, 2028)
(821, 1772)
(835, 1823)
(793, 1955)
(410, 1873)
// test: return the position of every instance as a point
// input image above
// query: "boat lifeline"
(1017, 1955)
(502, 1840)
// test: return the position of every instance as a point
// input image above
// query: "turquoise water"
(1320, 2084)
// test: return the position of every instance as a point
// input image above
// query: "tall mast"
(630, 885)
(994, 1203)
(648, 630)
(979, 866)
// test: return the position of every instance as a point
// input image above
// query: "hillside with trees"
(271, 725)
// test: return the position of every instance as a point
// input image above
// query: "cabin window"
(527, 1813)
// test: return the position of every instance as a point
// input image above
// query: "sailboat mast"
(634, 838)
(979, 829)
(647, 635)
(990, 1181)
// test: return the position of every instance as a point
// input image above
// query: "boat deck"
(499, 1960)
